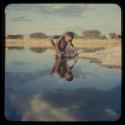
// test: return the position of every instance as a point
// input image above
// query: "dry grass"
(78, 43)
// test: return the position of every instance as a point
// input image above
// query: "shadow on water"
(37, 49)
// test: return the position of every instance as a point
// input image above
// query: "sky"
(54, 19)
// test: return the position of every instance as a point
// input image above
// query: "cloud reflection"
(84, 104)
(42, 111)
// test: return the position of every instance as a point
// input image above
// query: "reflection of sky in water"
(33, 94)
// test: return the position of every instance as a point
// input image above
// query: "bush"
(37, 36)
(92, 34)
(114, 36)
(18, 36)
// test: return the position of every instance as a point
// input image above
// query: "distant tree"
(92, 34)
(56, 36)
(114, 36)
(17, 36)
(103, 37)
(119, 36)
(37, 35)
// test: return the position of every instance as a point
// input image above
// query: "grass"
(78, 43)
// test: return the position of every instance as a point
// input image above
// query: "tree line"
(87, 34)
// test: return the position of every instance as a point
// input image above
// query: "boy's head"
(68, 36)
(69, 76)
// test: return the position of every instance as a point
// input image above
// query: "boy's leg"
(56, 56)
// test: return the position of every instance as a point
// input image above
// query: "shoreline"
(110, 57)
(104, 52)
(99, 62)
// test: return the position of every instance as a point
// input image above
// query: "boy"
(62, 44)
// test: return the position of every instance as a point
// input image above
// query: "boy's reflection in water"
(62, 68)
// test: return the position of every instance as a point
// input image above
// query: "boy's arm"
(72, 45)
(51, 39)
(56, 45)
(58, 42)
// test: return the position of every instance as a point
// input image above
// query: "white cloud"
(58, 6)
(39, 110)
(40, 17)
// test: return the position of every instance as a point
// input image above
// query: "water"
(40, 88)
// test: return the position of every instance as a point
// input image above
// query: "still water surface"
(40, 88)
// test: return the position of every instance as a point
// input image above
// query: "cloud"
(56, 106)
(111, 112)
(19, 7)
(21, 18)
(74, 28)
(62, 104)
(66, 10)
(58, 6)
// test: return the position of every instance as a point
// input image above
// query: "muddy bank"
(91, 50)
(109, 57)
